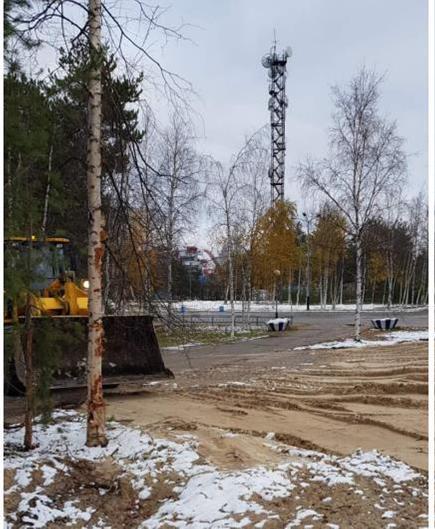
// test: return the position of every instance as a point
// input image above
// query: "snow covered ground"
(205, 305)
(391, 338)
(168, 484)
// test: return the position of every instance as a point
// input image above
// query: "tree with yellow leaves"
(329, 245)
(275, 245)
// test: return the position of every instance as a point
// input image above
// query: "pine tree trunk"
(9, 187)
(47, 193)
(96, 427)
(358, 288)
(28, 416)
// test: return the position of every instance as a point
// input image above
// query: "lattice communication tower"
(276, 64)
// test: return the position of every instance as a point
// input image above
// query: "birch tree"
(224, 191)
(366, 159)
(254, 202)
(179, 189)
(96, 434)
(417, 213)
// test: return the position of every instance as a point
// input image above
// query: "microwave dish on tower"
(276, 64)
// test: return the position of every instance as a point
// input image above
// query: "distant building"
(194, 258)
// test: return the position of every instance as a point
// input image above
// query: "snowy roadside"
(213, 306)
(147, 483)
(391, 338)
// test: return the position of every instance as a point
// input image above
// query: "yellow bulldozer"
(59, 303)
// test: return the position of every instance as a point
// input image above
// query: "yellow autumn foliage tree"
(328, 243)
(274, 245)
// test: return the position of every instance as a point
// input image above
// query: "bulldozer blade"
(131, 352)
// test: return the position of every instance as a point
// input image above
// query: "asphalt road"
(308, 328)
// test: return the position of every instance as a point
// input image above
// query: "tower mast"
(276, 64)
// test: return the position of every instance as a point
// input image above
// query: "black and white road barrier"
(278, 324)
(385, 324)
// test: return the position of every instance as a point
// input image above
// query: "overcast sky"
(331, 40)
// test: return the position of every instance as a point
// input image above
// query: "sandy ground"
(336, 401)
(296, 416)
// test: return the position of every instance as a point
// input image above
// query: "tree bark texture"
(358, 289)
(47, 193)
(96, 434)
(28, 360)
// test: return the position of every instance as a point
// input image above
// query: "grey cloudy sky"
(331, 40)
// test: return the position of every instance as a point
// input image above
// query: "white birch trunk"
(230, 270)
(96, 434)
(358, 288)
(248, 307)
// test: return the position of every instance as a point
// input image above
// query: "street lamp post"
(277, 274)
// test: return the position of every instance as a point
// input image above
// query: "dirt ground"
(336, 401)
(257, 414)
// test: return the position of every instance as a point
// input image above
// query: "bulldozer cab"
(60, 308)
(51, 259)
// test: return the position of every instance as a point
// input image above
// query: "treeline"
(154, 185)
(394, 262)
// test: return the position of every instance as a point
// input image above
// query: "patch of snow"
(302, 515)
(376, 465)
(392, 338)
(408, 336)
(182, 346)
(48, 474)
(230, 435)
(38, 510)
(203, 498)
(210, 499)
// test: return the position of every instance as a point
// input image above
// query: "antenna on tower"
(276, 64)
